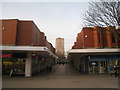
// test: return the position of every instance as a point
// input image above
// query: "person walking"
(115, 69)
(47, 68)
(50, 68)
(111, 69)
(79, 68)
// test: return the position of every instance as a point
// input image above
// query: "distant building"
(60, 47)
(96, 37)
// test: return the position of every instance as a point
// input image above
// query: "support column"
(100, 67)
(28, 65)
(84, 65)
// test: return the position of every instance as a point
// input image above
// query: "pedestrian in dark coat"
(115, 69)
(47, 68)
(50, 68)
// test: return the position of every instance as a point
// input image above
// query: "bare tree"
(102, 13)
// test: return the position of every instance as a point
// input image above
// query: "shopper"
(50, 68)
(116, 71)
(111, 69)
(47, 68)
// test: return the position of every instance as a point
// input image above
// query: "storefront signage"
(5, 55)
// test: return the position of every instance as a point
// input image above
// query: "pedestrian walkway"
(61, 76)
(61, 70)
(64, 69)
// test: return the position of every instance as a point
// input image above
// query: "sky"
(55, 19)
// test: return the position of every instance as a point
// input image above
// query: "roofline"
(16, 19)
(8, 19)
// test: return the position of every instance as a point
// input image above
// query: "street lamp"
(118, 30)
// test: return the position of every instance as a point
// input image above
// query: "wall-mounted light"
(86, 36)
(3, 28)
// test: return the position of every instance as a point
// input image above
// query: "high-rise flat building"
(59, 47)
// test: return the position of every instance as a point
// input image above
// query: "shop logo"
(5, 55)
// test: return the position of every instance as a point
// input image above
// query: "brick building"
(23, 33)
(95, 50)
(96, 37)
(25, 48)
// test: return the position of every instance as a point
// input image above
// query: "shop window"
(19, 55)
(113, 38)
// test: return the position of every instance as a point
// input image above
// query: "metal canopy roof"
(84, 51)
(27, 48)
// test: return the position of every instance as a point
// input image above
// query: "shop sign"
(5, 55)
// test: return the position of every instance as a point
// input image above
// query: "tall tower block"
(59, 47)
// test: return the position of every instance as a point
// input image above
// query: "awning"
(104, 58)
(85, 51)
(28, 49)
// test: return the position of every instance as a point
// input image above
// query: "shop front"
(6, 62)
(13, 62)
(100, 63)
(25, 60)
(38, 63)
(94, 61)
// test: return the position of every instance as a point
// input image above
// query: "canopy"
(104, 57)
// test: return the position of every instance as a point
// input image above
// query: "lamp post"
(118, 30)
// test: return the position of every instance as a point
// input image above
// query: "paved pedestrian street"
(61, 76)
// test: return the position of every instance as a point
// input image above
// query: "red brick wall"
(42, 39)
(88, 40)
(48, 44)
(104, 38)
(96, 37)
(74, 46)
(79, 43)
(109, 39)
(29, 34)
(38, 38)
(24, 33)
(52, 48)
(9, 30)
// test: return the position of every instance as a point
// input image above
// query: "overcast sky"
(55, 19)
